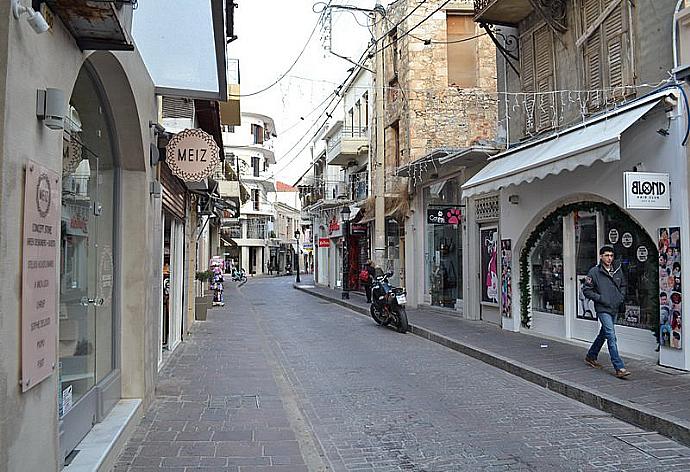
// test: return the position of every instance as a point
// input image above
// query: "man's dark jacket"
(607, 291)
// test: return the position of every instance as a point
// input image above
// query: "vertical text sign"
(39, 273)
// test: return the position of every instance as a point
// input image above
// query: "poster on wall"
(506, 278)
(40, 246)
(670, 295)
(489, 240)
(585, 306)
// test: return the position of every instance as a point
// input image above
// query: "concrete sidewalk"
(654, 398)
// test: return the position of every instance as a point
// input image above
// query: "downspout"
(675, 34)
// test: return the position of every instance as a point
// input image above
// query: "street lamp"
(297, 262)
(345, 218)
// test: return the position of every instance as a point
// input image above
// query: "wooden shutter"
(543, 66)
(594, 80)
(616, 38)
(527, 78)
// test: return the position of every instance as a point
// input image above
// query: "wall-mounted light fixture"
(514, 199)
(50, 107)
(35, 19)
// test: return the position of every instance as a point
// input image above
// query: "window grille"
(487, 208)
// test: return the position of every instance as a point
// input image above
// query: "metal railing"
(480, 6)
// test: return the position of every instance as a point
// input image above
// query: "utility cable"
(282, 76)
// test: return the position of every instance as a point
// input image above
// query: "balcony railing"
(347, 144)
(506, 12)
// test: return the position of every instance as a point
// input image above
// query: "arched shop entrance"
(557, 256)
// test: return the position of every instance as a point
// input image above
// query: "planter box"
(201, 306)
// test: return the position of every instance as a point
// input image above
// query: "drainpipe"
(675, 34)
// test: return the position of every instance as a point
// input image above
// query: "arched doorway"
(88, 381)
(560, 252)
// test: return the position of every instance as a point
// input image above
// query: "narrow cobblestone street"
(278, 380)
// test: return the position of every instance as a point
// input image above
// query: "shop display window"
(640, 261)
(546, 264)
(443, 258)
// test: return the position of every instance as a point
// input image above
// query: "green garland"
(525, 293)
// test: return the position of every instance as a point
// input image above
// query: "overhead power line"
(282, 76)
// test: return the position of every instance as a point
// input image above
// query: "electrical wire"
(284, 74)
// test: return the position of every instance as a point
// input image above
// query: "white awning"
(583, 145)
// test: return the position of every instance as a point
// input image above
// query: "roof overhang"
(448, 159)
(597, 139)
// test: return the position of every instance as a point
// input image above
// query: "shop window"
(637, 254)
(462, 51)
(443, 258)
(546, 264)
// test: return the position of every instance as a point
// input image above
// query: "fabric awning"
(595, 140)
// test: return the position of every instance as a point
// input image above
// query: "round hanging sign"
(613, 236)
(192, 155)
(627, 240)
(642, 254)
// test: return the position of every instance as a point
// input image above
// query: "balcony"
(99, 25)
(345, 144)
(502, 12)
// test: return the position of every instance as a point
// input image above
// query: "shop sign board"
(307, 246)
(192, 155)
(647, 191)
(324, 242)
(357, 229)
(39, 273)
(444, 216)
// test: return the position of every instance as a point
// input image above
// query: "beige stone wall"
(429, 112)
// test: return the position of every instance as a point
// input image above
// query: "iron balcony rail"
(480, 6)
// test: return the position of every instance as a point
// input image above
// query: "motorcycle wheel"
(377, 316)
(401, 317)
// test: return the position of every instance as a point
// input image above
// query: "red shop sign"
(324, 242)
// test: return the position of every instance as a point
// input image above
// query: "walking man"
(605, 285)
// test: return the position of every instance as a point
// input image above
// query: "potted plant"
(203, 303)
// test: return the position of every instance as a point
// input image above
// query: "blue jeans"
(608, 334)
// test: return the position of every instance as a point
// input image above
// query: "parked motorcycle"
(388, 303)
(239, 275)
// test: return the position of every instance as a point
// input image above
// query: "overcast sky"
(271, 34)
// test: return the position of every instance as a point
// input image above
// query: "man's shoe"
(592, 363)
(622, 373)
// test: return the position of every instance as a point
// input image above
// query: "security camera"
(37, 22)
(35, 19)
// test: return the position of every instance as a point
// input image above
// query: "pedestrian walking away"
(605, 285)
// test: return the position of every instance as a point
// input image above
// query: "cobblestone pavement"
(279, 380)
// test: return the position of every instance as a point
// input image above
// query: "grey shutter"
(594, 77)
(616, 47)
(527, 78)
(543, 55)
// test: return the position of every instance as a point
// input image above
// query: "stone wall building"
(439, 88)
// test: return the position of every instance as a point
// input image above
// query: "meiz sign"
(647, 191)
(192, 155)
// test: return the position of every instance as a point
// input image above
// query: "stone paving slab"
(654, 398)
(218, 406)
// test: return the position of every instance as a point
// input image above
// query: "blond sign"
(192, 155)
(39, 273)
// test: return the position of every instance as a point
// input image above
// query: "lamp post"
(297, 279)
(345, 219)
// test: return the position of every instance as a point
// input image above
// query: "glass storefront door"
(443, 252)
(587, 243)
(86, 334)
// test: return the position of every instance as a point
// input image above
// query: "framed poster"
(670, 289)
(488, 239)
(506, 278)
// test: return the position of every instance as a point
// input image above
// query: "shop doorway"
(563, 255)
(489, 281)
(89, 383)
